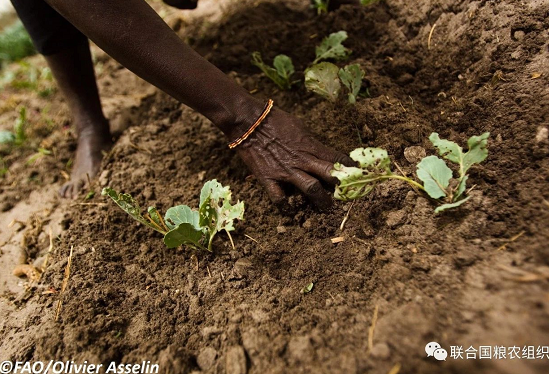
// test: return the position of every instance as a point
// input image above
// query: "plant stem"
(385, 177)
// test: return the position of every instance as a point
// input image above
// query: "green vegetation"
(331, 48)
(182, 225)
(40, 153)
(281, 73)
(321, 77)
(321, 6)
(351, 76)
(368, 2)
(308, 288)
(325, 80)
(15, 43)
(375, 167)
(30, 77)
(19, 134)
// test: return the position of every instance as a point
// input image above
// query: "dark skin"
(73, 71)
(281, 150)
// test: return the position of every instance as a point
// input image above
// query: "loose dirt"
(474, 276)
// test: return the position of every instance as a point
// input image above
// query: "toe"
(63, 190)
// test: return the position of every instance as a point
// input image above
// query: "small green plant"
(282, 72)
(184, 226)
(24, 75)
(351, 76)
(40, 153)
(325, 80)
(19, 134)
(15, 43)
(331, 48)
(321, 6)
(307, 288)
(375, 167)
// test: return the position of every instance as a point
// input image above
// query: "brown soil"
(462, 278)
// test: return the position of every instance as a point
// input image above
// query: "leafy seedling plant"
(184, 226)
(19, 135)
(437, 177)
(332, 48)
(282, 72)
(325, 80)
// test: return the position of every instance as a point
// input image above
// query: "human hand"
(281, 150)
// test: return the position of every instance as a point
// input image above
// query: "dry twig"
(64, 285)
(372, 328)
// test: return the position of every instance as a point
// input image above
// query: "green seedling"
(351, 76)
(41, 152)
(24, 75)
(281, 73)
(331, 48)
(325, 80)
(321, 6)
(19, 134)
(184, 226)
(437, 177)
(308, 288)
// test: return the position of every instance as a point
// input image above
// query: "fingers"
(328, 154)
(312, 188)
(321, 169)
(274, 191)
(335, 156)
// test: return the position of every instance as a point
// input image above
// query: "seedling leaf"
(184, 233)
(351, 76)
(447, 149)
(130, 206)
(477, 151)
(372, 159)
(451, 205)
(181, 224)
(308, 288)
(331, 47)
(7, 137)
(280, 74)
(284, 67)
(359, 182)
(323, 80)
(352, 183)
(21, 127)
(451, 151)
(216, 211)
(435, 176)
(181, 214)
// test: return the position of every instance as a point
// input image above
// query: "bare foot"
(89, 153)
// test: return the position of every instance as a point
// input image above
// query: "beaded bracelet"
(266, 111)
